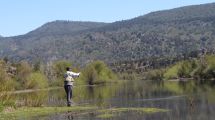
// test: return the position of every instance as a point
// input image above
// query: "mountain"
(64, 27)
(167, 33)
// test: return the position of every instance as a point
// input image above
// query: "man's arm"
(73, 74)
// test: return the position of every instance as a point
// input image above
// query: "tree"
(23, 72)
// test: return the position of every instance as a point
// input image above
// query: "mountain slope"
(167, 33)
(64, 27)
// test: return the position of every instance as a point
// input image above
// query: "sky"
(21, 16)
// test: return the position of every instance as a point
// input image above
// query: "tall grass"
(34, 99)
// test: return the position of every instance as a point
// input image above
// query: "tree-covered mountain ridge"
(167, 33)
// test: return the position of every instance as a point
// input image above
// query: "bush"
(38, 66)
(128, 76)
(90, 75)
(210, 71)
(23, 72)
(28, 78)
(155, 74)
(60, 67)
(183, 69)
(7, 84)
(37, 80)
(1, 107)
(172, 72)
(97, 72)
(206, 71)
(186, 68)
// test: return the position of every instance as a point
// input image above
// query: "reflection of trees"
(98, 94)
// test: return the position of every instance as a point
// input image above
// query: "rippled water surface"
(184, 100)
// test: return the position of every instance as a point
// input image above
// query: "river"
(186, 100)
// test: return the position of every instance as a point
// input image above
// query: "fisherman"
(68, 84)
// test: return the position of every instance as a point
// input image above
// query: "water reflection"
(185, 100)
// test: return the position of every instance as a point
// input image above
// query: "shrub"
(172, 72)
(155, 74)
(90, 75)
(6, 84)
(1, 107)
(182, 69)
(186, 68)
(28, 78)
(37, 80)
(23, 72)
(207, 70)
(211, 67)
(97, 72)
(38, 66)
(128, 76)
(60, 67)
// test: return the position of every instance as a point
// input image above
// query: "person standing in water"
(68, 84)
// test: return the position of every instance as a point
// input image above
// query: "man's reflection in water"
(69, 115)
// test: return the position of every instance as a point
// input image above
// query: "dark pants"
(68, 89)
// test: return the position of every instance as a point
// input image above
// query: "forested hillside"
(168, 33)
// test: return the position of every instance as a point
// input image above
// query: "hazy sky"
(21, 16)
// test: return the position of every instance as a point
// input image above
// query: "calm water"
(184, 100)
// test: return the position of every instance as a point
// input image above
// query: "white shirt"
(69, 77)
(72, 74)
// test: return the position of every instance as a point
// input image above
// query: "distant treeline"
(202, 68)
(143, 65)
(196, 64)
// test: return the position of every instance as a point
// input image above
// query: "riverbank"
(32, 112)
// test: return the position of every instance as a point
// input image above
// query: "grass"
(29, 112)
(142, 110)
(109, 113)
(106, 115)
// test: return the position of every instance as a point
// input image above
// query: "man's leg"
(69, 95)
(71, 92)
(68, 92)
